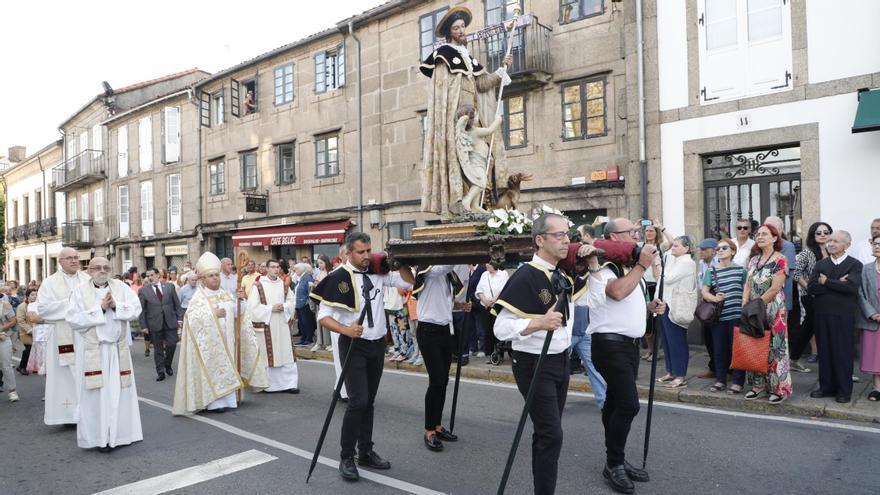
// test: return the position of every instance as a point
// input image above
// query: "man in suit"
(161, 316)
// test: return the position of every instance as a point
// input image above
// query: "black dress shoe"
(445, 435)
(105, 449)
(372, 460)
(160, 377)
(433, 443)
(636, 474)
(842, 399)
(219, 410)
(348, 470)
(818, 394)
(618, 479)
(293, 390)
(169, 371)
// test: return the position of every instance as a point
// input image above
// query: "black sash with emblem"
(531, 291)
(338, 289)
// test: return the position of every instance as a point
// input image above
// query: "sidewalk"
(697, 392)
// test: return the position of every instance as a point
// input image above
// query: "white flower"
(501, 214)
(494, 223)
(517, 227)
(547, 209)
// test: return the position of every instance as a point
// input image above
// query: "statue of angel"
(472, 150)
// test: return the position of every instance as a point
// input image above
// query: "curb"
(686, 396)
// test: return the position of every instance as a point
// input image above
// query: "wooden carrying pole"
(507, 37)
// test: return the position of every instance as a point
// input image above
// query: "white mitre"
(208, 263)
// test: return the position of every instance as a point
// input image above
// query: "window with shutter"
(145, 144)
(97, 140)
(745, 48)
(320, 72)
(217, 180)
(248, 171)
(174, 213)
(172, 134)
(218, 108)
(147, 224)
(340, 65)
(284, 84)
(122, 151)
(285, 167)
(99, 205)
(235, 98)
(83, 146)
(427, 26)
(205, 109)
(122, 210)
(86, 214)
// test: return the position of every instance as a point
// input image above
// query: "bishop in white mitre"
(270, 306)
(53, 302)
(107, 414)
(208, 373)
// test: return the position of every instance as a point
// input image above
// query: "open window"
(250, 95)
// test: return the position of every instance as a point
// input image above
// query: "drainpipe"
(43, 197)
(643, 162)
(357, 96)
(198, 226)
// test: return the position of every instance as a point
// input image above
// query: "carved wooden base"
(454, 246)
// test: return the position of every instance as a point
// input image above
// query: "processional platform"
(460, 243)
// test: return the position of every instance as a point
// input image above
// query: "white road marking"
(670, 405)
(192, 475)
(401, 485)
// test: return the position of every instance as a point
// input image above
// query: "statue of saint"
(472, 148)
(457, 79)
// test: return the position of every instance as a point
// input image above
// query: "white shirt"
(434, 303)
(229, 283)
(491, 285)
(625, 317)
(741, 257)
(839, 260)
(346, 317)
(509, 326)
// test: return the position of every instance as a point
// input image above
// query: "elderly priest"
(100, 311)
(207, 374)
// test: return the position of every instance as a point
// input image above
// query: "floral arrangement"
(515, 222)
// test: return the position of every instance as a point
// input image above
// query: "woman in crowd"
(323, 335)
(25, 329)
(395, 316)
(7, 323)
(680, 273)
(656, 235)
(869, 320)
(305, 316)
(413, 317)
(805, 261)
(727, 279)
(488, 289)
(137, 282)
(767, 271)
(40, 332)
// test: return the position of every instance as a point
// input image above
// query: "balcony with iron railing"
(21, 233)
(10, 234)
(530, 50)
(48, 227)
(87, 167)
(77, 233)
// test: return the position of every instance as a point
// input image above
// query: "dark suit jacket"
(156, 312)
(835, 296)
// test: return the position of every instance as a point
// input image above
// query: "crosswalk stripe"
(192, 475)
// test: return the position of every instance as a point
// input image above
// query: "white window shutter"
(84, 141)
(172, 134)
(99, 205)
(147, 227)
(145, 144)
(769, 46)
(122, 210)
(722, 55)
(73, 215)
(320, 72)
(98, 139)
(174, 213)
(85, 206)
(122, 151)
(340, 65)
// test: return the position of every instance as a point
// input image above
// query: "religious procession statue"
(458, 80)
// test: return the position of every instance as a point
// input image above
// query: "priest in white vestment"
(107, 414)
(207, 374)
(270, 306)
(53, 302)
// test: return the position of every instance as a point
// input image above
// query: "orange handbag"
(750, 353)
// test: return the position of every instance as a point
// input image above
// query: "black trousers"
(461, 331)
(487, 324)
(435, 344)
(25, 355)
(834, 341)
(618, 363)
(709, 343)
(800, 335)
(546, 412)
(306, 323)
(164, 344)
(362, 384)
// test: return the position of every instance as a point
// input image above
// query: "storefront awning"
(313, 233)
(868, 114)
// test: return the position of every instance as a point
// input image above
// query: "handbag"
(709, 312)
(750, 353)
(682, 305)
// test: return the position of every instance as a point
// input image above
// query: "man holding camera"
(616, 298)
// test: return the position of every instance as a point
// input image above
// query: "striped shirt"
(731, 280)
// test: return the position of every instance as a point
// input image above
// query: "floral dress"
(778, 380)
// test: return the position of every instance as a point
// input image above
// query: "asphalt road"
(698, 450)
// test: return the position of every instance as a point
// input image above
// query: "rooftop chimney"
(17, 154)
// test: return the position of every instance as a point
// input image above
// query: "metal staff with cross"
(366, 313)
(507, 40)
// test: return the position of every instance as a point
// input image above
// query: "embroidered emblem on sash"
(343, 287)
(545, 296)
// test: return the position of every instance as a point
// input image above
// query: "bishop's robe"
(53, 302)
(273, 333)
(207, 377)
(107, 413)
(456, 79)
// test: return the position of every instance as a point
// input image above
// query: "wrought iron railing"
(530, 47)
(88, 163)
(10, 234)
(76, 233)
(48, 226)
